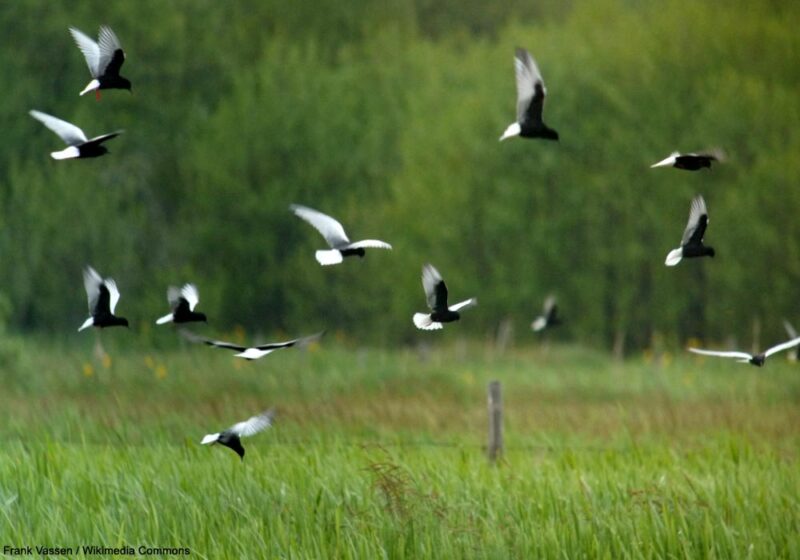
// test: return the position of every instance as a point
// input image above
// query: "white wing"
(471, 302)
(91, 283)
(191, 295)
(696, 211)
(527, 73)
(782, 347)
(173, 294)
(789, 329)
(106, 136)
(253, 425)
(740, 355)
(369, 243)
(538, 324)
(108, 44)
(331, 230)
(430, 278)
(90, 50)
(113, 293)
(68, 132)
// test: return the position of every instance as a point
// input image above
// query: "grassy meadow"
(379, 454)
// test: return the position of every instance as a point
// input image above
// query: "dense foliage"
(386, 115)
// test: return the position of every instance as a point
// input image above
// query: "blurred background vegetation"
(386, 115)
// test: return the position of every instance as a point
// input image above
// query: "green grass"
(379, 454)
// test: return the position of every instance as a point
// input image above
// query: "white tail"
(326, 258)
(254, 353)
(666, 161)
(210, 438)
(512, 130)
(86, 324)
(91, 86)
(66, 153)
(674, 257)
(164, 319)
(423, 321)
(538, 324)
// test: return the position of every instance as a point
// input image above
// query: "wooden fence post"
(495, 447)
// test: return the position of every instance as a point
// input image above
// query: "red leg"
(97, 94)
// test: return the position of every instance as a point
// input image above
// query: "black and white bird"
(530, 100)
(79, 145)
(790, 330)
(436, 293)
(231, 437)
(549, 317)
(692, 161)
(745, 358)
(103, 296)
(334, 234)
(692, 242)
(252, 352)
(104, 58)
(183, 301)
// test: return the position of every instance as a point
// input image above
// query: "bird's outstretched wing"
(530, 88)
(302, 341)
(113, 293)
(193, 337)
(68, 132)
(738, 355)
(189, 293)
(435, 288)
(331, 230)
(253, 425)
(90, 50)
(369, 244)
(781, 347)
(698, 221)
(111, 55)
(91, 283)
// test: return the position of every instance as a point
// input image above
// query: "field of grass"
(379, 454)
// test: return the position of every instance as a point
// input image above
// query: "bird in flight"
(183, 301)
(252, 352)
(103, 296)
(692, 161)
(231, 437)
(104, 58)
(530, 101)
(334, 234)
(74, 137)
(745, 358)
(549, 317)
(692, 242)
(436, 294)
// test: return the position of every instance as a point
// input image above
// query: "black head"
(98, 150)
(125, 83)
(758, 360)
(360, 252)
(233, 442)
(112, 321)
(710, 251)
(549, 134)
(202, 317)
